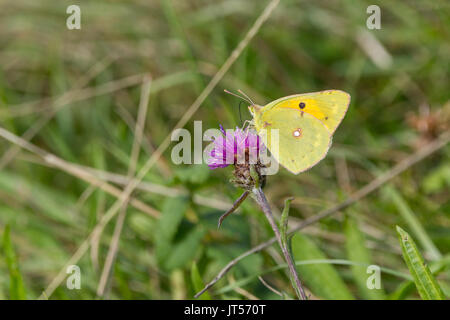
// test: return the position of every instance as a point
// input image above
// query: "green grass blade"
(184, 250)
(426, 284)
(172, 214)
(323, 280)
(16, 287)
(358, 253)
(403, 291)
(414, 223)
(197, 282)
(284, 221)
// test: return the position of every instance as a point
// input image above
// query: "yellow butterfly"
(305, 124)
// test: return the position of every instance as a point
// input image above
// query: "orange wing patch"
(305, 105)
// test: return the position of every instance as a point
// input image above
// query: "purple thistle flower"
(235, 147)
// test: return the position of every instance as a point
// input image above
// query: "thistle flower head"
(240, 148)
(235, 147)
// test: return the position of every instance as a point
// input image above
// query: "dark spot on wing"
(302, 105)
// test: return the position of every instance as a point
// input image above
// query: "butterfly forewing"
(328, 106)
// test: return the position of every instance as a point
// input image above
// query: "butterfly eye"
(297, 133)
(302, 105)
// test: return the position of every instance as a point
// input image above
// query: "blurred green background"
(76, 94)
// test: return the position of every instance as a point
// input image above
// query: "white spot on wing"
(297, 133)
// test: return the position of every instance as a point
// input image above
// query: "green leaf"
(406, 288)
(197, 282)
(414, 223)
(425, 282)
(357, 252)
(438, 179)
(16, 287)
(195, 174)
(143, 225)
(184, 250)
(322, 279)
(171, 217)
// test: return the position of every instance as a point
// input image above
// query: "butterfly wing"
(329, 106)
(302, 140)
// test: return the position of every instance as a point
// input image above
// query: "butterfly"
(298, 129)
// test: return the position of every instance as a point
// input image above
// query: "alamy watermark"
(74, 280)
(74, 20)
(374, 280)
(374, 20)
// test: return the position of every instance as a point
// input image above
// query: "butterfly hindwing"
(303, 139)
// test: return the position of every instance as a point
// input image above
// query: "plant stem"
(260, 198)
(236, 205)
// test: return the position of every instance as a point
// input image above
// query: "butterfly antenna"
(243, 93)
(246, 99)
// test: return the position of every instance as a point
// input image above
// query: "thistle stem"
(260, 198)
